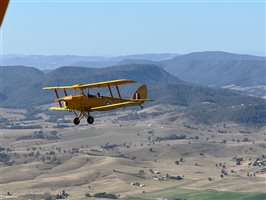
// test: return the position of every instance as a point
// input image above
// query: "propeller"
(3, 7)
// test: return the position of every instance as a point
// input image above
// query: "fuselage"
(84, 103)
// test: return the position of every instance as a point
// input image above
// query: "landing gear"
(90, 119)
(76, 121)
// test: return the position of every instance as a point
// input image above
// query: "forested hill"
(22, 88)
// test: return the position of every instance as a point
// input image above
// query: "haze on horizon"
(112, 28)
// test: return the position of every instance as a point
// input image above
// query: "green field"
(199, 195)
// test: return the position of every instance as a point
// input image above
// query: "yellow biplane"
(83, 102)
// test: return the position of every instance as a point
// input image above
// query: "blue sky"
(110, 28)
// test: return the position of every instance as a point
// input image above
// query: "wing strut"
(117, 89)
(110, 90)
(65, 92)
(57, 96)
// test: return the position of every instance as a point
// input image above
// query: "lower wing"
(113, 106)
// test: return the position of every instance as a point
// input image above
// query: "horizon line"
(259, 54)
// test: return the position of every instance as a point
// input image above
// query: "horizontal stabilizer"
(142, 100)
(57, 108)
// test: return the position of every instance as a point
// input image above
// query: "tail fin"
(140, 93)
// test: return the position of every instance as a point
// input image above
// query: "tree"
(37, 154)
(87, 195)
(4, 157)
(48, 196)
(54, 133)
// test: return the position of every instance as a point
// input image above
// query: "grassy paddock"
(199, 195)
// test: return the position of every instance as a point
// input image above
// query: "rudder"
(140, 93)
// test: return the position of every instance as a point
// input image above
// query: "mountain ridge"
(204, 104)
(48, 62)
(217, 55)
(218, 69)
(208, 68)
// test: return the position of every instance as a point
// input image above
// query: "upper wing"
(113, 106)
(92, 85)
(106, 83)
(58, 88)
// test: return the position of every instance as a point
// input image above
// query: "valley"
(157, 152)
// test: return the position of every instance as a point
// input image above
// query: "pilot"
(98, 95)
(89, 95)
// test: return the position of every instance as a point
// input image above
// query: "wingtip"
(48, 88)
(57, 108)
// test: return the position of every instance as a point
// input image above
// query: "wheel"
(90, 120)
(76, 121)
